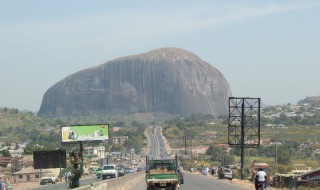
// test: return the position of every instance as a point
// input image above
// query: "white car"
(109, 171)
(228, 174)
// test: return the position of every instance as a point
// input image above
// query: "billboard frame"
(46, 158)
(65, 140)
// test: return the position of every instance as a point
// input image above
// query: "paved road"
(197, 182)
(153, 144)
(64, 186)
(192, 181)
(157, 144)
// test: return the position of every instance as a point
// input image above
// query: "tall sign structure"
(244, 124)
(83, 133)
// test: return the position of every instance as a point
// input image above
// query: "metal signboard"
(49, 159)
(81, 133)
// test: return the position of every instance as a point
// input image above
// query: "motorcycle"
(261, 185)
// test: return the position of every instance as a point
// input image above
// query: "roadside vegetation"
(39, 133)
(281, 148)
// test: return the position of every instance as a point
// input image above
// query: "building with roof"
(30, 174)
(309, 179)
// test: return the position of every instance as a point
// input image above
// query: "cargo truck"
(162, 174)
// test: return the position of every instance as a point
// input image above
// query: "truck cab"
(162, 174)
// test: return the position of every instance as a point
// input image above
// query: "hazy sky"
(267, 49)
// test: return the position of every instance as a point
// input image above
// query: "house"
(309, 179)
(295, 178)
(30, 174)
(119, 140)
(300, 169)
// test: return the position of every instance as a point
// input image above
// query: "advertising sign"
(49, 159)
(78, 133)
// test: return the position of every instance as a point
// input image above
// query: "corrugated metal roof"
(31, 170)
(307, 173)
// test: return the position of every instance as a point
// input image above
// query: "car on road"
(140, 168)
(109, 171)
(129, 170)
(228, 173)
(121, 170)
(47, 180)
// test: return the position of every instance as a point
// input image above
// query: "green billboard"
(78, 133)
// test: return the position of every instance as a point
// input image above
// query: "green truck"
(162, 174)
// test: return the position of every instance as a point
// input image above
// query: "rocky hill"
(165, 80)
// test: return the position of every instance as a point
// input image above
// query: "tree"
(219, 154)
(34, 134)
(181, 125)
(120, 123)
(14, 111)
(58, 122)
(6, 153)
(214, 151)
(283, 155)
(136, 124)
(42, 124)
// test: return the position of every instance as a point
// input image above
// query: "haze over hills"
(165, 80)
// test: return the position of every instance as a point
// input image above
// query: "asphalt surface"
(197, 182)
(192, 181)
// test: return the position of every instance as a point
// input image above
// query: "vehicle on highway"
(162, 174)
(121, 170)
(99, 173)
(47, 180)
(109, 171)
(228, 173)
(129, 170)
(140, 168)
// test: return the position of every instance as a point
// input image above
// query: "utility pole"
(185, 144)
(81, 153)
(276, 157)
(242, 142)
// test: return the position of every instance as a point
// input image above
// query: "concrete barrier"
(119, 183)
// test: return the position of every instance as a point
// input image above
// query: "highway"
(153, 144)
(157, 150)
(197, 182)
(64, 186)
(192, 180)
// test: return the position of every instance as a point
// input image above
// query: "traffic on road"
(159, 162)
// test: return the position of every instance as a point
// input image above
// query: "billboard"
(45, 159)
(79, 133)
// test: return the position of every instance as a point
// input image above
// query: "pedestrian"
(75, 176)
(207, 171)
(213, 171)
(68, 177)
(221, 173)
